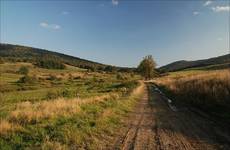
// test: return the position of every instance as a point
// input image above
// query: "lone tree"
(147, 67)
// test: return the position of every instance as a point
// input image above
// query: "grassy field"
(62, 109)
(206, 90)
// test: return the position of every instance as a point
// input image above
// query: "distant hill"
(11, 52)
(211, 63)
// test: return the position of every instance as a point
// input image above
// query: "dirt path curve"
(153, 125)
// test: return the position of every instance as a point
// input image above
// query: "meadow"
(208, 91)
(62, 108)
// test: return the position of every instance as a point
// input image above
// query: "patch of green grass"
(9, 78)
(82, 130)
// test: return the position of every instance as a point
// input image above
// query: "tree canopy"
(147, 67)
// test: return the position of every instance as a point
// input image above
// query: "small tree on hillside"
(147, 67)
(23, 70)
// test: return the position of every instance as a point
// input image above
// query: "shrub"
(23, 70)
(68, 93)
(27, 79)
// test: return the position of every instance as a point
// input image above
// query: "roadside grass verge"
(207, 90)
(67, 123)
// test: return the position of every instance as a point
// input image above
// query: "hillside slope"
(30, 54)
(221, 61)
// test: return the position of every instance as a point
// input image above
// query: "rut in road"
(140, 131)
(153, 125)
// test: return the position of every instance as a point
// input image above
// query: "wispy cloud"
(64, 12)
(221, 9)
(207, 3)
(195, 13)
(50, 26)
(115, 2)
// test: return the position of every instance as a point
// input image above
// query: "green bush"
(68, 93)
(23, 70)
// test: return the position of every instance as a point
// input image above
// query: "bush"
(27, 79)
(23, 70)
(68, 93)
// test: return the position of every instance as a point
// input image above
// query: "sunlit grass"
(63, 109)
(207, 90)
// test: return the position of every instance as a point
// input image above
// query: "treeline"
(54, 60)
(50, 64)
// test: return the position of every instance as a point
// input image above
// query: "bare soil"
(154, 125)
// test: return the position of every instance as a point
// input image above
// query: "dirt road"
(154, 125)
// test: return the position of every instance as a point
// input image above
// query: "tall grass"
(67, 123)
(27, 112)
(207, 90)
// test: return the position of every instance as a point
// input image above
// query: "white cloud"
(44, 24)
(207, 3)
(115, 2)
(50, 26)
(221, 9)
(195, 13)
(65, 13)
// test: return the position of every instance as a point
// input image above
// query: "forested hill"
(212, 63)
(11, 52)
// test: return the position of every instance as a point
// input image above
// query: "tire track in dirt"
(141, 128)
(153, 125)
(186, 130)
(139, 133)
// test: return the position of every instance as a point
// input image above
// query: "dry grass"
(137, 91)
(208, 90)
(52, 145)
(28, 112)
(6, 127)
(68, 123)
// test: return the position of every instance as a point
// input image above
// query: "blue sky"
(120, 32)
